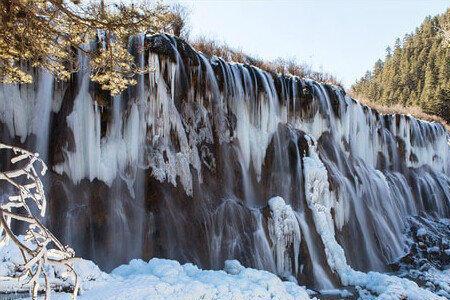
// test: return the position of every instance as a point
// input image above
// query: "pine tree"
(416, 72)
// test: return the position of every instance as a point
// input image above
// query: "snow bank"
(167, 279)
(156, 279)
(437, 281)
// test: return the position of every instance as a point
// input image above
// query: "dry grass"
(213, 48)
(414, 111)
(279, 66)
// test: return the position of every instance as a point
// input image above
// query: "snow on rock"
(336, 292)
(158, 279)
(320, 201)
(437, 281)
(168, 279)
(429, 250)
(284, 232)
(421, 231)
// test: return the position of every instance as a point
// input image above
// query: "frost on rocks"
(172, 151)
(435, 280)
(284, 233)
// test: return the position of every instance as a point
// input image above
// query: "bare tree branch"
(28, 195)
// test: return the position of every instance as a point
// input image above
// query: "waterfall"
(205, 160)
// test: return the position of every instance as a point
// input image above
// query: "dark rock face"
(183, 164)
(429, 245)
(428, 256)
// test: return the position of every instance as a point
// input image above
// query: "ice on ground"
(156, 279)
(435, 280)
(336, 292)
(434, 249)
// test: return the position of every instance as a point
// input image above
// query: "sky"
(344, 38)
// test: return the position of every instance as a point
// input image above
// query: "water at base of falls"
(185, 165)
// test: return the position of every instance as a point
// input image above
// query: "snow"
(434, 249)
(336, 292)
(436, 280)
(168, 279)
(172, 151)
(157, 279)
(11, 257)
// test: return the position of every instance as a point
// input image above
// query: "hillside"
(416, 73)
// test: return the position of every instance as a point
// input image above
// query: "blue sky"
(341, 37)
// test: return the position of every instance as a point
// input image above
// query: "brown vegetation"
(397, 108)
(290, 66)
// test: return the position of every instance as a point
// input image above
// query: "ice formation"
(284, 232)
(320, 201)
(184, 164)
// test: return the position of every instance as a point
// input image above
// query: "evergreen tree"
(416, 72)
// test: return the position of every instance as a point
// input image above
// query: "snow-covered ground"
(168, 279)
(158, 279)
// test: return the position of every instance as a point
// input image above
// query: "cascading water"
(183, 165)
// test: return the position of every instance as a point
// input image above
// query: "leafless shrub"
(28, 196)
(179, 23)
